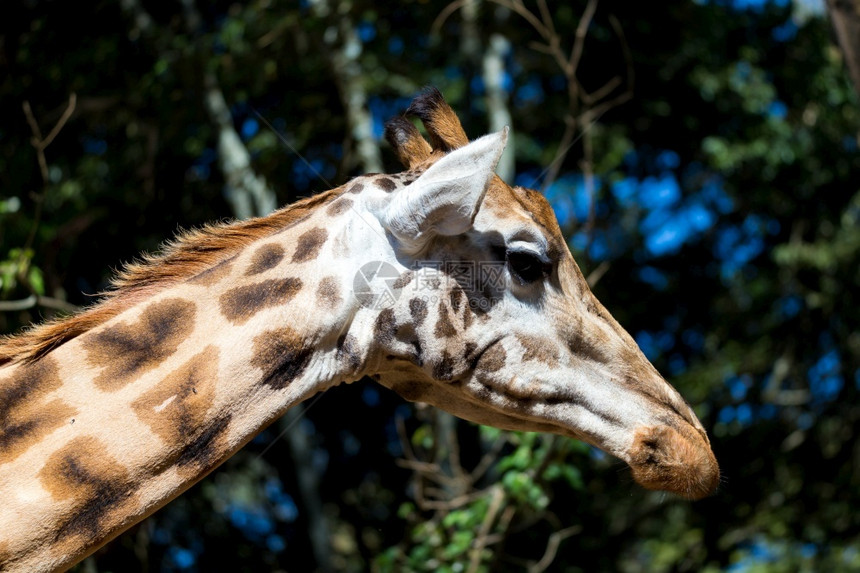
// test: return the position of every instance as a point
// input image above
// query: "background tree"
(719, 203)
(845, 16)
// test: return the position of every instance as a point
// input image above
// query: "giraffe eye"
(526, 267)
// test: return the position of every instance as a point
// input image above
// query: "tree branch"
(36, 300)
(552, 548)
(346, 47)
(40, 144)
(581, 32)
(497, 497)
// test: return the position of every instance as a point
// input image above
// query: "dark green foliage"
(726, 205)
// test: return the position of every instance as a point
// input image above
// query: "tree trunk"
(248, 194)
(497, 100)
(345, 48)
(308, 479)
(491, 66)
(845, 17)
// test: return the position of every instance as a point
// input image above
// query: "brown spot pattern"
(347, 351)
(98, 486)
(25, 416)
(385, 326)
(444, 328)
(493, 359)
(456, 298)
(386, 184)
(403, 280)
(128, 350)
(444, 369)
(539, 349)
(584, 349)
(241, 303)
(418, 310)
(207, 447)
(356, 188)
(176, 408)
(467, 316)
(281, 355)
(309, 244)
(265, 258)
(339, 207)
(417, 352)
(328, 293)
(470, 349)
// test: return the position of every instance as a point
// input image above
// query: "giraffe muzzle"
(678, 461)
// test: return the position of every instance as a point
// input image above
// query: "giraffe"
(108, 415)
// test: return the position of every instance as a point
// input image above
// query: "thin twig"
(548, 457)
(567, 141)
(488, 459)
(599, 110)
(453, 446)
(546, 17)
(446, 12)
(586, 164)
(496, 500)
(428, 470)
(552, 548)
(597, 274)
(452, 504)
(40, 144)
(503, 527)
(517, 7)
(21, 304)
(292, 423)
(404, 439)
(35, 300)
(581, 32)
(540, 47)
(602, 92)
(625, 49)
(70, 109)
(544, 25)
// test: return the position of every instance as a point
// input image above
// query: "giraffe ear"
(446, 197)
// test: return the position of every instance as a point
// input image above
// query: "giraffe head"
(487, 315)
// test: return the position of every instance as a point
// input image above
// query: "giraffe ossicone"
(108, 415)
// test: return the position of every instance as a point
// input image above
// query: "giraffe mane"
(187, 255)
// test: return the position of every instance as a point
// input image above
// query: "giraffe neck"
(105, 429)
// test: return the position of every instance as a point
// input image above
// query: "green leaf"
(37, 280)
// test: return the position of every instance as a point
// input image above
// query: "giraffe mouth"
(681, 462)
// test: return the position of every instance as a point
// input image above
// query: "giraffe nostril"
(666, 459)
